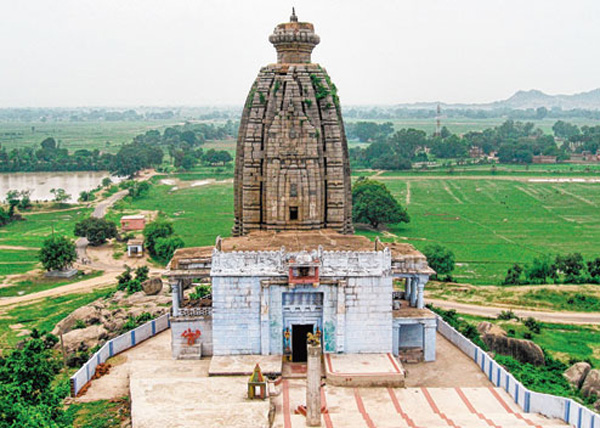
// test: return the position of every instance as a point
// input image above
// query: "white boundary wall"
(115, 346)
(535, 402)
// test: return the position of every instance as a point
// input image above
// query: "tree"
(513, 276)
(57, 253)
(565, 130)
(373, 203)
(86, 196)
(540, 270)
(571, 265)
(96, 230)
(159, 228)
(49, 144)
(27, 394)
(60, 195)
(594, 269)
(440, 259)
(106, 181)
(165, 247)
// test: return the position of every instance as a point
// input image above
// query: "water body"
(40, 183)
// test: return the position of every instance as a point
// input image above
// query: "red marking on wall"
(362, 410)
(393, 360)
(326, 416)
(287, 419)
(509, 410)
(434, 407)
(406, 418)
(472, 409)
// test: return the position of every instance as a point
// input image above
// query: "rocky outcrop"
(152, 286)
(486, 327)
(591, 384)
(88, 337)
(103, 319)
(522, 350)
(576, 374)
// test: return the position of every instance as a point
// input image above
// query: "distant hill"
(523, 100)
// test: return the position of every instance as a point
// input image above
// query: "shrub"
(533, 325)
(200, 291)
(507, 315)
(96, 230)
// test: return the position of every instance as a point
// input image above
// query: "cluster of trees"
(570, 268)
(96, 230)
(161, 240)
(145, 151)
(49, 156)
(30, 396)
(513, 142)
(16, 199)
(441, 260)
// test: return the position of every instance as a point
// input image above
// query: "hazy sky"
(201, 52)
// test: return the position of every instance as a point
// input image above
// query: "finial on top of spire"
(293, 17)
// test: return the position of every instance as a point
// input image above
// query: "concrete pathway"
(450, 392)
(559, 317)
(458, 407)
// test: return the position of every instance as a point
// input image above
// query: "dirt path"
(558, 317)
(86, 286)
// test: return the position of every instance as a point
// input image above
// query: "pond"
(40, 183)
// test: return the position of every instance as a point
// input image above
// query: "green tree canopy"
(57, 253)
(372, 203)
(96, 230)
(160, 228)
(440, 259)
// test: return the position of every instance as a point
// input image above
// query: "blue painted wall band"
(132, 337)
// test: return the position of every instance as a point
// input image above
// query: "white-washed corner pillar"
(395, 339)
(341, 316)
(414, 293)
(406, 288)
(176, 290)
(421, 281)
(429, 331)
(265, 333)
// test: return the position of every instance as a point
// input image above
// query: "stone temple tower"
(292, 170)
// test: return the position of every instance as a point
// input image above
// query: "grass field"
(491, 224)
(199, 214)
(105, 136)
(463, 125)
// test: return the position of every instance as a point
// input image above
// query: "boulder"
(88, 314)
(591, 384)
(486, 327)
(576, 374)
(89, 336)
(152, 286)
(597, 406)
(522, 350)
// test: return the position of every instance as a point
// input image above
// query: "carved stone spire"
(294, 41)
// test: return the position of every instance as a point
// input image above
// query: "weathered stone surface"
(87, 314)
(486, 327)
(591, 384)
(576, 374)
(152, 286)
(292, 169)
(89, 336)
(522, 350)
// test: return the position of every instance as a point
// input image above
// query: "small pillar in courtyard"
(313, 382)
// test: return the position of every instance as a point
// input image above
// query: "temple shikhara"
(293, 265)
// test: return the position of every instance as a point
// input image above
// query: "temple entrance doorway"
(299, 332)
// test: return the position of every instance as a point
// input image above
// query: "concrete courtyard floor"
(451, 391)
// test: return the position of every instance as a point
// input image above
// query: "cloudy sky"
(208, 52)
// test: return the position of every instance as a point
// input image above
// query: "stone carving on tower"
(292, 170)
